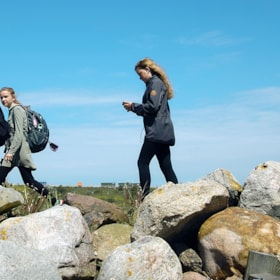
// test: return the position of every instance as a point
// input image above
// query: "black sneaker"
(55, 201)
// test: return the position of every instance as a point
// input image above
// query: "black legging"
(27, 177)
(162, 152)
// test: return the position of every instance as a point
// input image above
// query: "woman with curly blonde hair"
(157, 122)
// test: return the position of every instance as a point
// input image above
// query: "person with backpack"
(157, 122)
(17, 150)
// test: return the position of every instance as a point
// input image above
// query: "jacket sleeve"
(16, 122)
(152, 99)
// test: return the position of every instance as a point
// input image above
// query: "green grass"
(112, 195)
(125, 198)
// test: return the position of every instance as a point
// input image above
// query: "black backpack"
(4, 129)
(38, 132)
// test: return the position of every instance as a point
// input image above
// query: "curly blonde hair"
(157, 70)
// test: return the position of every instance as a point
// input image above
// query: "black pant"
(27, 177)
(162, 152)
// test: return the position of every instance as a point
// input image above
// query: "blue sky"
(73, 61)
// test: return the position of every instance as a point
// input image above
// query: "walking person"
(17, 151)
(159, 131)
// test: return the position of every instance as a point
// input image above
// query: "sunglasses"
(53, 147)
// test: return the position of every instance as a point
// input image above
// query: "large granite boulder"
(18, 263)
(61, 233)
(147, 258)
(262, 189)
(175, 210)
(226, 238)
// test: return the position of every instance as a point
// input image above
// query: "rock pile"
(194, 230)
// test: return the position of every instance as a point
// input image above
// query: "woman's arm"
(16, 121)
(151, 101)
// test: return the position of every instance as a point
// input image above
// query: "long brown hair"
(156, 69)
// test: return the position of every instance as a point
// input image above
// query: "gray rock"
(9, 199)
(225, 178)
(19, 263)
(60, 232)
(261, 191)
(147, 258)
(191, 261)
(179, 209)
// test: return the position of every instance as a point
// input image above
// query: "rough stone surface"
(147, 258)
(225, 178)
(193, 276)
(9, 199)
(191, 261)
(262, 189)
(234, 277)
(60, 232)
(226, 238)
(108, 237)
(179, 209)
(96, 211)
(19, 263)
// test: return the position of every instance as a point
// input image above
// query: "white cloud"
(74, 98)
(214, 38)
(236, 135)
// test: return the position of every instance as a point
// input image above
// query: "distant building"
(108, 185)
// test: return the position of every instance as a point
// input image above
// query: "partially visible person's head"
(8, 96)
(150, 65)
(144, 63)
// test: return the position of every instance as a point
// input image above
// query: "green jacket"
(17, 144)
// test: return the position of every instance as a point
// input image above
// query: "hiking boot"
(53, 201)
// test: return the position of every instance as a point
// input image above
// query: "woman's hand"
(9, 157)
(127, 105)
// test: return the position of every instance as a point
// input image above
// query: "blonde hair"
(157, 70)
(12, 92)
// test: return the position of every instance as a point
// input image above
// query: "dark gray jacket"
(155, 112)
